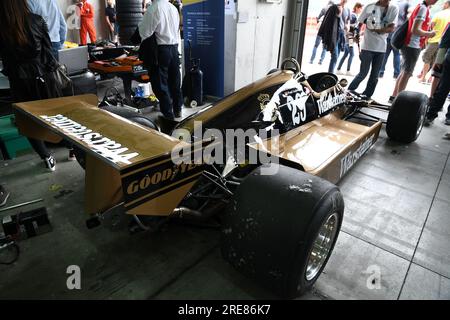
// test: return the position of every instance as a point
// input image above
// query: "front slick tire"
(280, 230)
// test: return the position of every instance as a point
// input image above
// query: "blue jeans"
(397, 59)
(316, 46)
(350, 53)
(335, 54)
(368, 58)
(56, 46)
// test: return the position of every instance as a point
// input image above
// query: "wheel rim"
(321, 247)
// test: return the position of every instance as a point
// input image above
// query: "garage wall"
(67, 8)
(257, 38)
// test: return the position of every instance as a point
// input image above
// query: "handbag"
(62, 79)
(399, 36)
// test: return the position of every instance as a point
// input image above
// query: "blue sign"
(204, 27)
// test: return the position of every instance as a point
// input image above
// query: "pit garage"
(274, 182)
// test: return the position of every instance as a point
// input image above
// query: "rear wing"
(125, 162)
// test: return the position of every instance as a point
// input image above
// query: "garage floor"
(393, 245)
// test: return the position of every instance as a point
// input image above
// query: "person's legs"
(410, 57)
(346, 53)
(350, 59)
(83, 32)
(397, 61)
(377, 60)
(322, 56)
(316, 45)
(92, 32)
(40, 148)
(437, 101)
(366, 59)
(159, 80)
(386, 57)
(334, 58)
(175, 81)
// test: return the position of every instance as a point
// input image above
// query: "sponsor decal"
(349, 160)
(103, 146)
(155, 180)
(331, 100)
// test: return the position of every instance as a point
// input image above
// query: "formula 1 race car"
(280, 212)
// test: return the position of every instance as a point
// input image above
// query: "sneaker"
(391, 99)
(338, 72)
(348, 73)
(311, 62)
(320, 62)
(71, 156)
(428, 122)
(50, 163)
(4, 195)
(447, 122)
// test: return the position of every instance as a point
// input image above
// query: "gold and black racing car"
(263, 162)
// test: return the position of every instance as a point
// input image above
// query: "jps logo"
(158, 177)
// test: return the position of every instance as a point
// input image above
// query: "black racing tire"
(129, 6)
(125, 34)
(271, 224)
(406, 117)
(146, 122)
(129, 19)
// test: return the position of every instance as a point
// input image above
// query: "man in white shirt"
(162, 19)
(379, 19)
(57, 28)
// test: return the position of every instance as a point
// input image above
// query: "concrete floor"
(393, 244)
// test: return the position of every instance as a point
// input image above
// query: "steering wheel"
(292, 61)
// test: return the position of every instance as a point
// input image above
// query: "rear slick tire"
(273, 226)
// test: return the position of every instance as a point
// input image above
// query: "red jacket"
(425, 26)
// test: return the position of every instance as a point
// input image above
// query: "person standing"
(163, 20)
(344, 21)
(437, 100)
(110, 17)
(57, 28)
(403, 11)
(379, 19)
(319, 38)
(419, 24)
(349, 50)
(438, 24)
(28, 62)
(87, 22)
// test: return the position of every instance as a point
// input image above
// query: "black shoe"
(381, 75)
(4, 195)
(177, 114)
(428, 122)
(447, 122)
(50, 163)
(391, 99)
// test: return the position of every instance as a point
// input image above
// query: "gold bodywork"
(149, 183)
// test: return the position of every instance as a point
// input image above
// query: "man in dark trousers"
(163, 20)
(442, 66)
